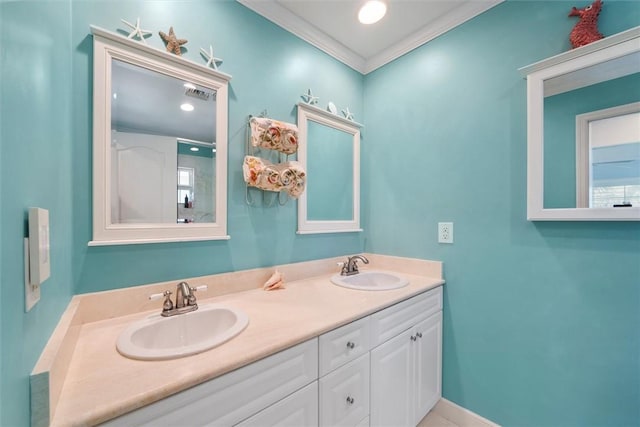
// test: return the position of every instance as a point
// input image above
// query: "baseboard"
(461, 416)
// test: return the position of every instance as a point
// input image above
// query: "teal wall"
(46, 110)
(271, 69)
(540, 319)
(35, 169)
(560, 113)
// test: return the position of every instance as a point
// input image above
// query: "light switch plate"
(39, 260)
(31, 292)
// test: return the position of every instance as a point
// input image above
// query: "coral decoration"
(586, 30)
(173, 43)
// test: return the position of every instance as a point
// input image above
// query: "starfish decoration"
(309, 98)
(136, 30)
(347, 114)
(211, 60)
(173, 43)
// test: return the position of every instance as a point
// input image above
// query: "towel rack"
(268, 200)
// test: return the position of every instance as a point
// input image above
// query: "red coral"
(586, 30)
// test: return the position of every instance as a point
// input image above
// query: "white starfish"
(211, 60)
(137, 31)
(309, 98)
(347, 114)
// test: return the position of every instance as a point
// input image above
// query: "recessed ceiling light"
(372, 11)
(189, 86)
(186, 107)
(115, 95)
(194, 149)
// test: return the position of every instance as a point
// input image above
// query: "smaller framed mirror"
(583, 132)
(159, 145)
(329, 150)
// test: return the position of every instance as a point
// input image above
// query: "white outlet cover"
(445, 232)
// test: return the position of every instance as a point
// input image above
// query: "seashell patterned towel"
(289, 176)
(274, 135)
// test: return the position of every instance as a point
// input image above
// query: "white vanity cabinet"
(406, 368)
(381, 370)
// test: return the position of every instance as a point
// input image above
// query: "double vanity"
(313, 353)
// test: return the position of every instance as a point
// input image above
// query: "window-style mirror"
(159, 145)
(329, 149)
(578, 167)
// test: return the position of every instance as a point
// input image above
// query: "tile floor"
(434, 420)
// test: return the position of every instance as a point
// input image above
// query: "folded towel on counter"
(274, 135)
(290, 176)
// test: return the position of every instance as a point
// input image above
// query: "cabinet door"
(344, 394)
(297, 410)
(427, 365)
(391, 382)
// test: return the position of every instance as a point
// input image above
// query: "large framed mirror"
(159, 145)
(583, 155)
(329, 149)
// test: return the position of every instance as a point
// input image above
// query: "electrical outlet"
(445, 232)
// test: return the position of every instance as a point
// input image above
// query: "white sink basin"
(157, 337)
(369, 280)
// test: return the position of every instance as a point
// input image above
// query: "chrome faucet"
(350, 267)
(185, 300)
(184, 296)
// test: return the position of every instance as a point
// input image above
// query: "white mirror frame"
(108, 46)
(550, 77)
(306, 113)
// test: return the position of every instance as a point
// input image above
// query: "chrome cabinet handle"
(351, 345)
(419, 334)
(350, 400)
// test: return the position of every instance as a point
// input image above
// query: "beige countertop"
(100, 384)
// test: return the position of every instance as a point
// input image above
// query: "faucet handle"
(154, 297)
(167, 305)
(200, 288)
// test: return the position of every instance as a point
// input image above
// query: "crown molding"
(445, 23)
(284, 18)
(291, 22)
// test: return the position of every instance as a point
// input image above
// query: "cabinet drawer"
(344, 344)
(235, 396)
(297, 410)
(344, 394)
(393, 320)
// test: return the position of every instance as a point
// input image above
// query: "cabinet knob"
(350, 400)
(419, 334)
(351, 345)
(413, 338)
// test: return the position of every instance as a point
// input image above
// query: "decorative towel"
(276, 281)
(290, 176)
(274, 135)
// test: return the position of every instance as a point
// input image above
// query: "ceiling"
(145, 101)
(332, 25)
